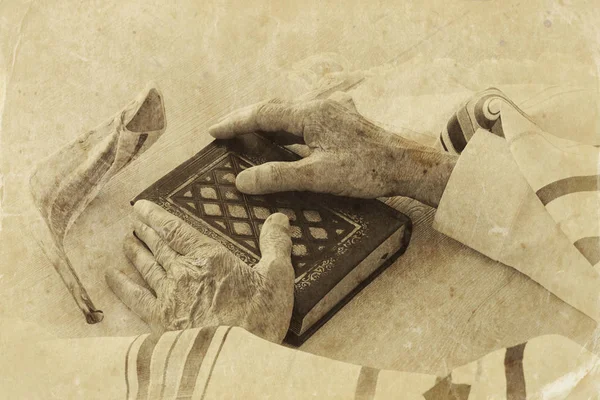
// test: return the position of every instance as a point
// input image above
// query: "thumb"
(276, 177)
(276, 248)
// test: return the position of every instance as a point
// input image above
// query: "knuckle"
(144, 233)
(276, 100)
(263, 110)
(178, 233)
(276, 174)
(326, 105)
(197, 261)
(313, 110)
(219, 257)
(153, 268)
(327, 112)
(149, 211)
(157, 281)
(142, 297)
(140, 227)
(161, 253)
(171, 229)
(277, 241)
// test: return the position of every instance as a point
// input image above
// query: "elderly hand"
(346, 154)
(197, 282)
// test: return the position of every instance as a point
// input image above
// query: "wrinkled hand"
(197, 282)
(345, 154)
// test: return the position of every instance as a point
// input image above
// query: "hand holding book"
(345, 154)
(226, 193)
(196, 282)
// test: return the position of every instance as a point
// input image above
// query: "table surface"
(70, 66)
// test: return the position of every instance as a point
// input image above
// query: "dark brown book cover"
(339, 243)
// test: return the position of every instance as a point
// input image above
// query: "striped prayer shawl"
(225, 362)
(231, 363)
(176, 365)
(564, 174)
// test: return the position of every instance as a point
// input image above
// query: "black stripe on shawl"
(444, 389)
(456, 135)
(212, 367)
(590, 248)
(127, 385)
(515, 376)
(562, 187)
(194, 361)
(366, 384)
(143, 365)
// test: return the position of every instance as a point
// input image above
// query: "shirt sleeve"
(490, 206)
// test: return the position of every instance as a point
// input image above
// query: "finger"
(301, 149)
(265, 116)
(275, 240)
(139, 300)
(275, 244)
(159, 248)
(179, 235)
(276, 177)
(144, 262)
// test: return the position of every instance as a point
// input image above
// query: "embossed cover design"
(331, 235)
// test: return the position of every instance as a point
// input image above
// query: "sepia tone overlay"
(497, 294)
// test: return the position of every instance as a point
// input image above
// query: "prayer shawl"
(230, 363)
(524, 197)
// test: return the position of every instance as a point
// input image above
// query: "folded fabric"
(524, 197)
(489, 206)
(565, 176)
(229, 362)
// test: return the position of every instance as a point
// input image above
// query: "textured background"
(69, 65)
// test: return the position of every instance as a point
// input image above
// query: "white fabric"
(489, 206)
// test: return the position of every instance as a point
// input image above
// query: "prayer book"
(340, 244)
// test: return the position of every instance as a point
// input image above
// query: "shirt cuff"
(483, 195)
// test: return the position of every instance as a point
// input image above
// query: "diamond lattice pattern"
(213, 198)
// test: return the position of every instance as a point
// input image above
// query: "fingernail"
(279, 219)
(219, 125)
(139, 205)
